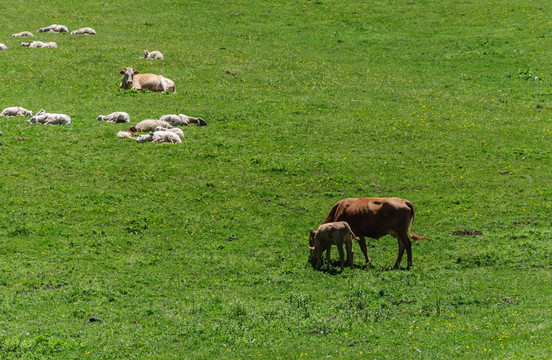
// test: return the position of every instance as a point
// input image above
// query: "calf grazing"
(182, 120)
(377, 217)
(42, 117)
(54, 28)
(23, 33)
(175, 130)
(16, 111)
(115, 117)
(153, 55)
(333, 233)
(3, 47)
(132, 79)
(151, 124)
(84, 31)
(129, 133)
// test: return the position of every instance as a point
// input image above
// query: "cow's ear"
(136, 72)
(122, 72)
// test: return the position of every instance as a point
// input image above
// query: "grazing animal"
(115, 117)
(54, 28)
(16, 111)
(151, 124)
(45, 118)
(84, 31)
(132, 79)
(175, 130)
(377, 217)
(3, 47)
(333, 233)
(182, 120)
(23, 33)
(153, 55)
(129, 133)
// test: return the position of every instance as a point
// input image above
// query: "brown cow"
(334, 233)
(377, 217)
(132, 79)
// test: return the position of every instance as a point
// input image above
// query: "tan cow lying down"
(377, 217)
(333, 233)
(132, 79)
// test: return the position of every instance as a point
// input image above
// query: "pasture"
(110, 249)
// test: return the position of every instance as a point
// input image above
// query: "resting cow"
(132, 79)
(377, 217)
(333, 233)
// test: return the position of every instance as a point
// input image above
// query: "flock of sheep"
(164, 130)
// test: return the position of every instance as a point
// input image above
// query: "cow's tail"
(413, 236)
(331, 215)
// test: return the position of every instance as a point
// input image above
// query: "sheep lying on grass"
(129, 133)
(160, 137)
(153, 55)
(3, 47)
(182, 120)
(115, 117)
(42, 117)
(16, 111)
(175, 130)
(23, 33)
(39, 44)
(54, 28)
(150, 125)
(84, 31)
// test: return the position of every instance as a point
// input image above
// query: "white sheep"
(182, 120)
(160, 137)
(175, 130)
(16, 111)
(150, 125)
(54, 28)
(3, 47)
(39, 44)
(23, 33)
(42, 117)
(115, 117)
(127, 133)
(85, 31)
(153, 55)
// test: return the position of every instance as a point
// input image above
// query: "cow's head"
(128, 77)
(311, 240)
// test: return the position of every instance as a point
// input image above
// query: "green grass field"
(199, 250)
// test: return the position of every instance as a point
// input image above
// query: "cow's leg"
(401, 252)
(349, 248)
(408, 246)
(362, 243)
(328, 257)
(341, 255)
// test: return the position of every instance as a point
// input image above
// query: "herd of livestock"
(352, 218)
(164, 130)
